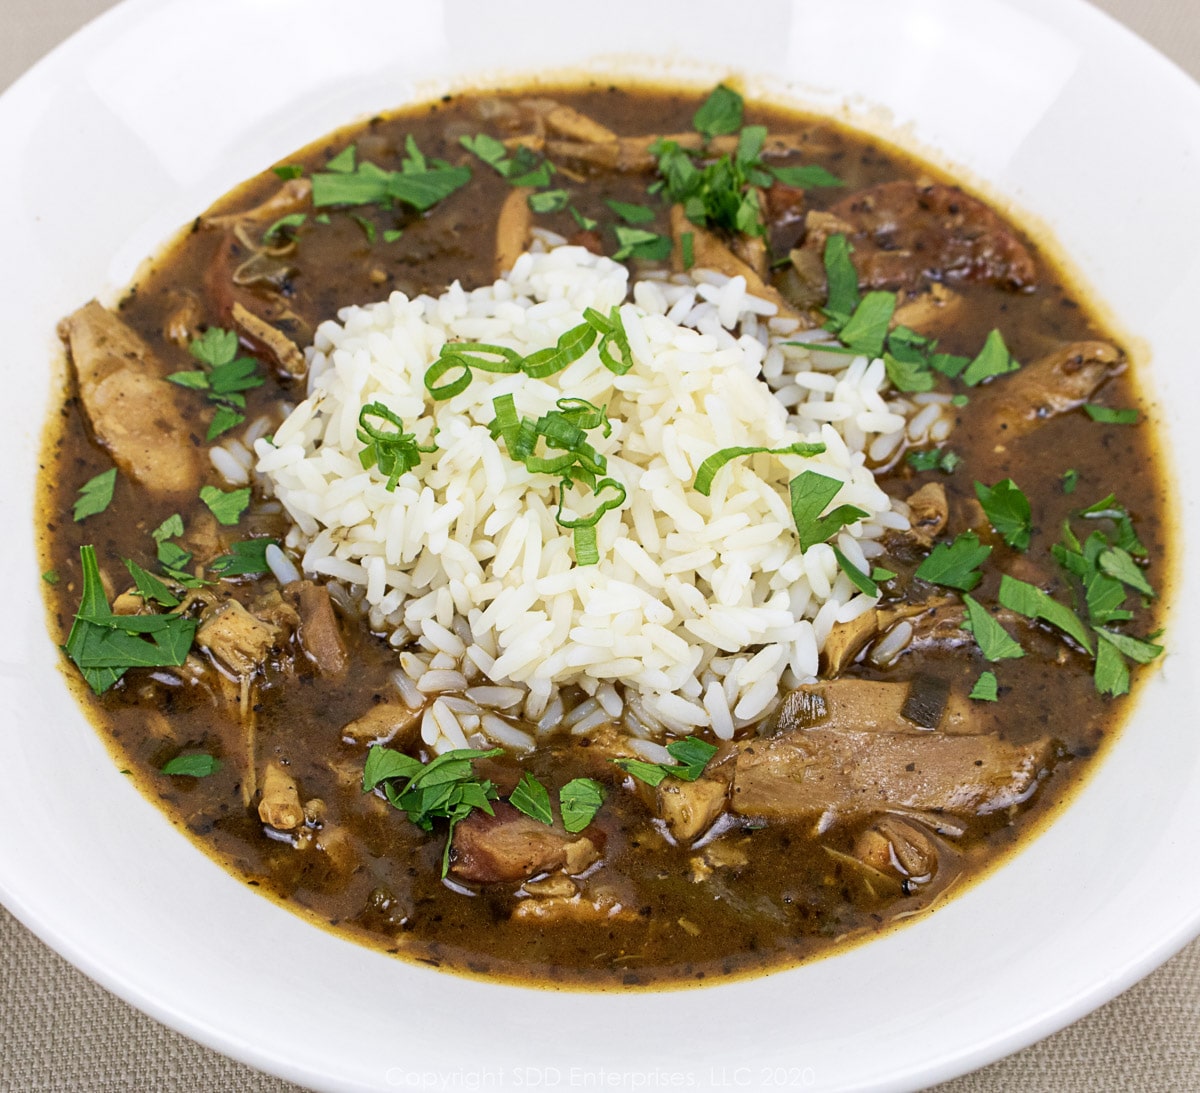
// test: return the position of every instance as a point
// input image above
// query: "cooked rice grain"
(699, 609)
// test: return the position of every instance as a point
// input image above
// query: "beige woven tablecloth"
(59, 1031)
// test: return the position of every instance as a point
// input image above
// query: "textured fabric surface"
(61, 1032)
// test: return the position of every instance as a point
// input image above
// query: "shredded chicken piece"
(291, 197)
(899, 845)
(933, 310)
(1054, 384)
(568, 122)
(512, 228)
(320, 634)
(708, 252)
(388, 722)
(284, 354)
(928, 513)
(583, 907)
(133, 413)
(236, 638)
(280, 803)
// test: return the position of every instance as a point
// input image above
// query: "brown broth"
(789, 899)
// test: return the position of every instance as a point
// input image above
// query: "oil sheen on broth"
(922, 753)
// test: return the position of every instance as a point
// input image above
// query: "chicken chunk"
(511, 846)
(690, 808)
(1054, 384)
(236, 638)
(130, 407)
(905, 234)
(839, 774)
(320, 634)
(897, 844)
(389, 722)
(280, 805)
(513, 225)
(912, 706)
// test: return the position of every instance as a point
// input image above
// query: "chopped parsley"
(532, 798)
(995, 643)
(246, 558)
(956, 564)
(934, 459)
(1107, 415)
(1007, 509)
(993, 359)
(691, 755)
(632, 214)
(95, 495)
(105, 646)
(810, 493)
(226, 506)
(579, 801)
(640, 243)
(985, 689)
(445, 788)
(225, 379)
(722, 191)
(419, 183)
(284, 224)
(858, 578)
(171, 556)
(192, 766)
(1070, 479)
(149, 587)
(1029, 600)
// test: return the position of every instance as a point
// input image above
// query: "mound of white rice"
(699, 609)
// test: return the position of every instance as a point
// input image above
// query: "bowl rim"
(1123, 965)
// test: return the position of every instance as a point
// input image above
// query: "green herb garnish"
(579, 800)
(956, 564)
(105, 646)
(632, 214)
(419, 183)
(1029, 600)
(810, 493)
(445, 788)
(224, 381)
(993, 359)
(934, 459)
(532, 798)
(708, 469)
(691, 755)
(640, 243)
(1107, 415)
(226, 506)
(192, 766)
(284, 223)
(394, 451)
(95, 495)
(720, 113)
(858, 578)
(994, 642)
(1007, 509)
(149, 587)
(246, 558)
(985, 689)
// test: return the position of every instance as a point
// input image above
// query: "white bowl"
(135, 125)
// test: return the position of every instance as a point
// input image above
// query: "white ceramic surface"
(133, 126)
